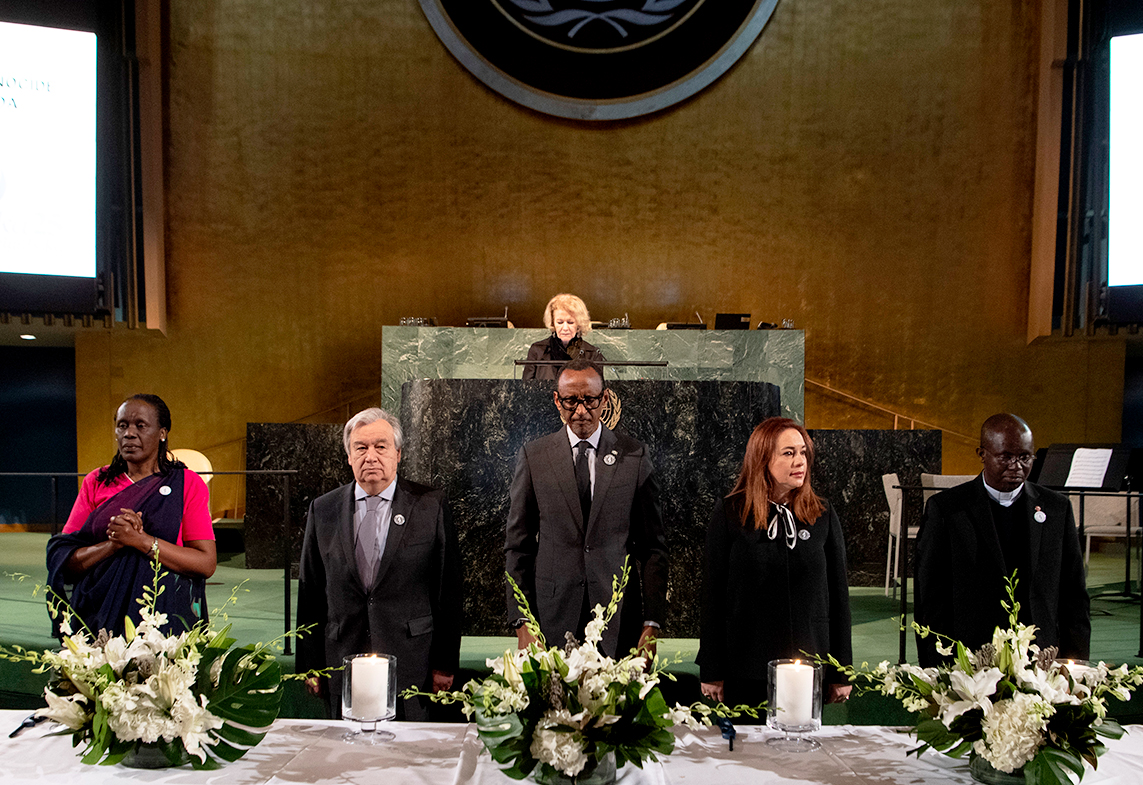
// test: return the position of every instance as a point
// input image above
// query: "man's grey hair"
(368, 417)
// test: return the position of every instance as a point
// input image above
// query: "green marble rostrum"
(774, 356)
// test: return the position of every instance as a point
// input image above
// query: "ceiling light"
(28, 337)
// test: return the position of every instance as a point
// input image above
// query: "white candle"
(794, 693)
(1078, 670)
(370, 687)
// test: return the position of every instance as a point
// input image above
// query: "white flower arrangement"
(192, 695)
(562, 711)
(1009, 703)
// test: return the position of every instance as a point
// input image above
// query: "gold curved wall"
(865, 170)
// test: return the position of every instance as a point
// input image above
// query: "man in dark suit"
(976, 534)
(582, 499)
(380, 571)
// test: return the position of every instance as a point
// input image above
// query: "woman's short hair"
(754, 481)
(571, 304)
(368, 417)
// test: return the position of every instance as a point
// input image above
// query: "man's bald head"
(1006, 451)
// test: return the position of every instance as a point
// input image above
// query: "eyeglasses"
(590, 402)
(1007, 458)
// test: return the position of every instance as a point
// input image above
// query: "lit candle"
(1078, 670)
(370, 688)
(794, 693)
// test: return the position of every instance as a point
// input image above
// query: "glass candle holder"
(369, 695)
(795, 704)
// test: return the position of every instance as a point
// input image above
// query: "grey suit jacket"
(560, 565)
(960, 572)
(413, 610)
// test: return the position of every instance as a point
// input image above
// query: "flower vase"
(983, 771)
(595, 772)
(151, 756)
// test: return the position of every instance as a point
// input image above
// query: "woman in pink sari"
(141, 508)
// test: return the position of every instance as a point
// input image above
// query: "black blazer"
(413, 610)
(960, 571)
(560, 565)
(764, 601)
(542, 350)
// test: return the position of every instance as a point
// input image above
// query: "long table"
(308, 751)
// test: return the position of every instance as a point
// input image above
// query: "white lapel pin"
(165, 490)
(803, 534)
(609, 459)
(1040, 516)
(399, 519)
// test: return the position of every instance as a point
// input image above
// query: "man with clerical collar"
(582, 500)
(974, 535)
(380, 571)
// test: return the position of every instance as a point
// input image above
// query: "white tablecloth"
(305, 751)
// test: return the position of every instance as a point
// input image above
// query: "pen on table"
(728, 731)
(29, 722)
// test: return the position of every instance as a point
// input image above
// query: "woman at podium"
(566, 316)
(775, 581)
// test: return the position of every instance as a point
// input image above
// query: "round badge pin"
(399, 519)
(609, 459)
(803, 534)
(165, 490)
(1040, 517)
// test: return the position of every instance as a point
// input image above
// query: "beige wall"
(865, 170)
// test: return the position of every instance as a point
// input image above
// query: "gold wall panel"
(865, 170)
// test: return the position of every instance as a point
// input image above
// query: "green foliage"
(576, 699)
(241, 684)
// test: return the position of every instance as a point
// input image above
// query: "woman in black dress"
(566, 316)
(775, 572)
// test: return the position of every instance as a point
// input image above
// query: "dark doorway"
(37, 433)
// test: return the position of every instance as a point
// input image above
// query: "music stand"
(1077, 468)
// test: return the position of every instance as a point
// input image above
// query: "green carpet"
(258, 616)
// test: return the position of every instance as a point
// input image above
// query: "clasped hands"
(125, 530)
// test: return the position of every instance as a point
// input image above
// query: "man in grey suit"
(380, 571)
(583, 499)
(975, 535)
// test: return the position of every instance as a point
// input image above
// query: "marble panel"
(847, 471)
(464, 436)
(773, 356)
(316, 452)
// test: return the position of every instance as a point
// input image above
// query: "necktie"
(366, 549)
(583, 479)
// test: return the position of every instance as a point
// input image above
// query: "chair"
(938, 482)
(196, 462)
(1105, 516)
(893, 554)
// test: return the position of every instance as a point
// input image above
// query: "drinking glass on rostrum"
(795, 704)
(369, 696)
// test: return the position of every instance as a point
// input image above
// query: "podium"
(463, 435)
(777, 357)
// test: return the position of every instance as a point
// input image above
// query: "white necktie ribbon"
(783, 512)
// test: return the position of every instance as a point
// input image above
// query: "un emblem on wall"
(597, 59)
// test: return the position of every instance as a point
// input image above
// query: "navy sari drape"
(108, 592)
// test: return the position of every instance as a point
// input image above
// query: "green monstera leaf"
(248, 695)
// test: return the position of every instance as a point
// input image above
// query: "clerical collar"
(593, 439)
(1003, 498)
(360, 493)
